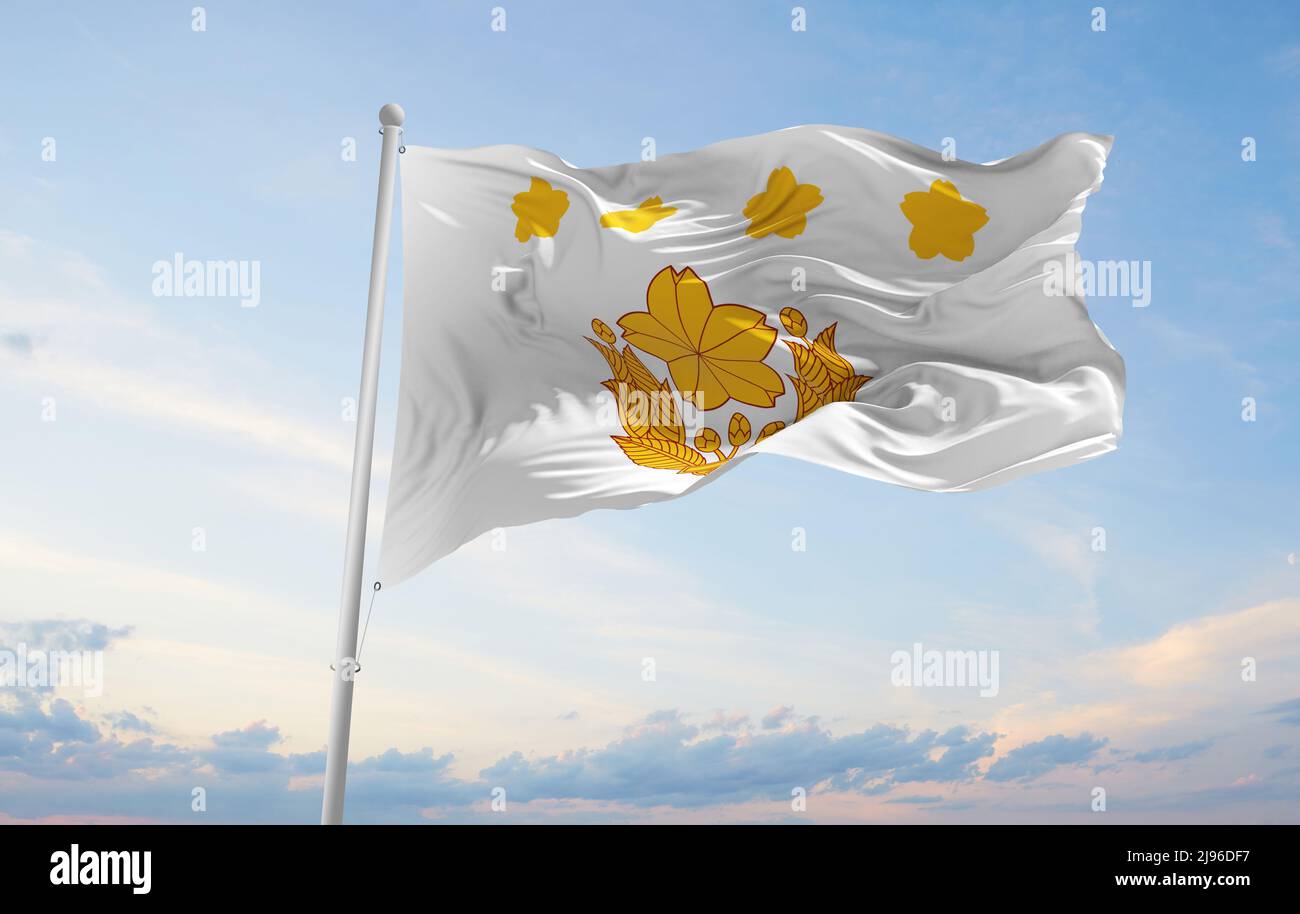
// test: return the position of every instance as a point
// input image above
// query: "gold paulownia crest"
(714, 354)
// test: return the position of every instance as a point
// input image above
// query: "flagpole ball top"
(391, 115)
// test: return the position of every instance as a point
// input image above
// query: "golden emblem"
(714, 354)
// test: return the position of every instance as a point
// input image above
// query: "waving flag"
(603, 338)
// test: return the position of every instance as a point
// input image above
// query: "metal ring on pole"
(401, 131)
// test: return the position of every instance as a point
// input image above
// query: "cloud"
(32, 726)
(1205, 649)
(1033, 760)
(1173, 753)
(1182, 342)
(1275, 797)
(1272, 231)
(60, 634)
(31, 555)
(777, 717)
(122, 354)
(257, 736)
(47, 738)
(175, 401)
(665, 760)
(661, 761)
(1184, 682)
(20, 343)
(916, 800)
(1287, 712)
(15, 247)
(251, 751)
(125, 720)
(1287, 60)
(1068, 550)
(727, 723)
(54, 762)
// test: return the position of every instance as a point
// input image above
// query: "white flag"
(603, 338)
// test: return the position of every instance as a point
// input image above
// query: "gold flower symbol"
(783, 207)
(714, 352)
(636, 220)
(539, 209)
(943, 223)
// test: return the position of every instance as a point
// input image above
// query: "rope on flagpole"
(366, 627)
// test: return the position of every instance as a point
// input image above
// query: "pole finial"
(391, 115)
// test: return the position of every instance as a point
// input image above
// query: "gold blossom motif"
(650, 211)
(783, 208)
(648, 407)
(707, 440)
(539, 209)
(738, 430)
(714, 352)
(943, 222)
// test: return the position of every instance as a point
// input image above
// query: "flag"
(603, 338)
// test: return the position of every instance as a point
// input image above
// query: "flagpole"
(345, 649)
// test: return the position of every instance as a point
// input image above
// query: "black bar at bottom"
(302, 863)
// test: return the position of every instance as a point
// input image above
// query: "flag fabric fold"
(584, 338)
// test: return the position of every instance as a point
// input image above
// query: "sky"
(175, 469)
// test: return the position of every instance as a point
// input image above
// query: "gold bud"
(793, 321)
(602, 330)
(706, 439)
(769, 430)
(738, 430)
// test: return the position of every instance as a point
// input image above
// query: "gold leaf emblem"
(659, 454)
(679, 328)
(821, 375)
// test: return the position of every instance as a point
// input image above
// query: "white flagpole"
(345, 649)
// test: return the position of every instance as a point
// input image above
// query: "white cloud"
(120, 354)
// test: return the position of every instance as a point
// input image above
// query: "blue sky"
(522, 668)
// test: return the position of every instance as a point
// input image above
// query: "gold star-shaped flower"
(783, 208)
(942, 222)
(650, 211)
(539, 209)
(714, 352)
